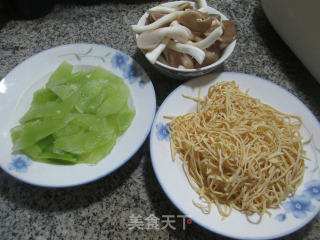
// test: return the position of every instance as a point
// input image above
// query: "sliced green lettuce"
(76, 118)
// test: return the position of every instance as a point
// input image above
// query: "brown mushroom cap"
(154, 16)
(229, 33)
(187, 61)
(172, 57)
(215, 17)
(216, 20)
(196, 21)
(175, 59)
(210, 30)
(162, 60)
(213, 53)
(198, 36)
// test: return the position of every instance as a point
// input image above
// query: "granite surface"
(101, 209)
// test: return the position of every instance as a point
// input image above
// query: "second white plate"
(298, 210)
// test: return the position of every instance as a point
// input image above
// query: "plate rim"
(152, 136)
(148, 129)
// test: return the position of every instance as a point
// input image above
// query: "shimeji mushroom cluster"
(183, 36)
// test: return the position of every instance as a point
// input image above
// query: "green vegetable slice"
(84, 141)
(33, 131)
(44, 95)
(47, 109)
(98, 153)
(123, 118)
(114, 102)
(61, 75)
(73, 84)
(89, 91)
(75, 118)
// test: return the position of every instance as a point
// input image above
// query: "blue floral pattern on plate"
(281, 217)
(300, 205)
(312, 190)
(119, 60)
(142, 84)
(130, 70)
(20, 163)
(162, 131)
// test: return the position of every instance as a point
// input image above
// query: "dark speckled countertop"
(101, 210)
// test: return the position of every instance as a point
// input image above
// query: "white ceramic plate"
(16, 91)
(293, 214)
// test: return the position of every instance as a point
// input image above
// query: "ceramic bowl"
(196, 72)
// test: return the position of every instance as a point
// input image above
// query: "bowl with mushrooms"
(184, 39)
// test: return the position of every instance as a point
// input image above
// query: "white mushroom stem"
(150, 39)
(175, 23)
(153, 55)
(193, 51)
(157, 24)
(204, 10)
(202, 4)
(209, 40)
(162, 9)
